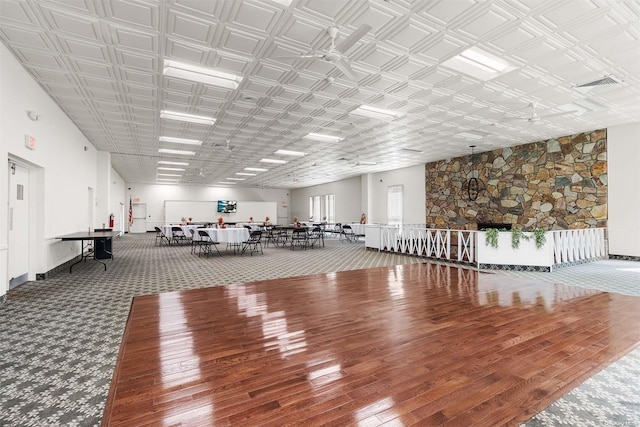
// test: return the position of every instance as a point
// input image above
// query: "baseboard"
(625, 257)
(509, 267)
(54, 270)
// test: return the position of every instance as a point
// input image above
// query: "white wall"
(154, 195)
(62, 168)
(368, 194)
(348, 199)
(623, 155)
(412, 180)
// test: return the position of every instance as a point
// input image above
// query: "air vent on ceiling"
(605, 81)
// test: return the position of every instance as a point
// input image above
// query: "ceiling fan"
(534, 117)
(336, 53)
(357, 161)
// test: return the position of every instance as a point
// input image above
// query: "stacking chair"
(161, 237)
(299, 238)
(177, 234)
(271, 236)
(316, 237)
(348, 234)
(205, 244)
(337, 230)
(253, 243)
(194, 243)
(281, 237)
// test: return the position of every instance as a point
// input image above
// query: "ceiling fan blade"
(350, 40)
(343, 66)
(294, 57)
(564, 113)
(513, 119)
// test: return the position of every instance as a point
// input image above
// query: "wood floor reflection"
(418, 344)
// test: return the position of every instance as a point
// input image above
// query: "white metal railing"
(568, 246)
(453, 245)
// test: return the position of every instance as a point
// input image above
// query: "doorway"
(139, 224)
(18, 239)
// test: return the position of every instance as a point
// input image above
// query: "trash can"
(102, 246)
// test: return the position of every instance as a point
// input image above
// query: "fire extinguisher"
(111, 220)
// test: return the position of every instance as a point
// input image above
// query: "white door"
(18, 225)
(90, 207)
(122, 220)
(139, 218)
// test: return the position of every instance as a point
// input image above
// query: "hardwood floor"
(419, 344)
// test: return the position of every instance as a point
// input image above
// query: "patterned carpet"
(60, 337)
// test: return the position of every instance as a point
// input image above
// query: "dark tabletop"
(86, 235)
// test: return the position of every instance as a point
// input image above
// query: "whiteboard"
(207, 211)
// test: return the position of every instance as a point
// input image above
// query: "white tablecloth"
(357, 228)
(166, 229)
(225, 235)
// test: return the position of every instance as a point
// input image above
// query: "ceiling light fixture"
(201, 74)
(323, 138)
(256, 169)
(275, 161)
(179, 140)
(185, 117)
(246, 174)
(226, 183)
(167, 162)
(290, 153)
(237, 179)
(479, 63)
(479, 58)
(181, 152)
(171, 169)
(375, 112)
(169, 174)
(471, 135)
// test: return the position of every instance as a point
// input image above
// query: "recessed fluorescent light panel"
(275, 161)
(179, 140)
(479, 63)
(323, 138)
(246, 174)
(181, 152)
(226, 183)
(167, 162)
(184, 117)
(200, 74)
(171, 169)
(256, 169)
(291, 153)
(472, 135)
(168, 174)
(236, 179)
(375, 112)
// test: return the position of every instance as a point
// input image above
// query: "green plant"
(539, 237)
(492, 237)
(516, 234)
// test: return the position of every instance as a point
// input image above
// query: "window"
(394, 204)
(322, 208)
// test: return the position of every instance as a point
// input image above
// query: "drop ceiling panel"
(102, 63)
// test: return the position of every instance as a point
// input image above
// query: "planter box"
(526, 255)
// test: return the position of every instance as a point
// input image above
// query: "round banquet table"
(225, 235)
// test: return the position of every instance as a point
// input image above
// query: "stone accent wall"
(555, 184)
